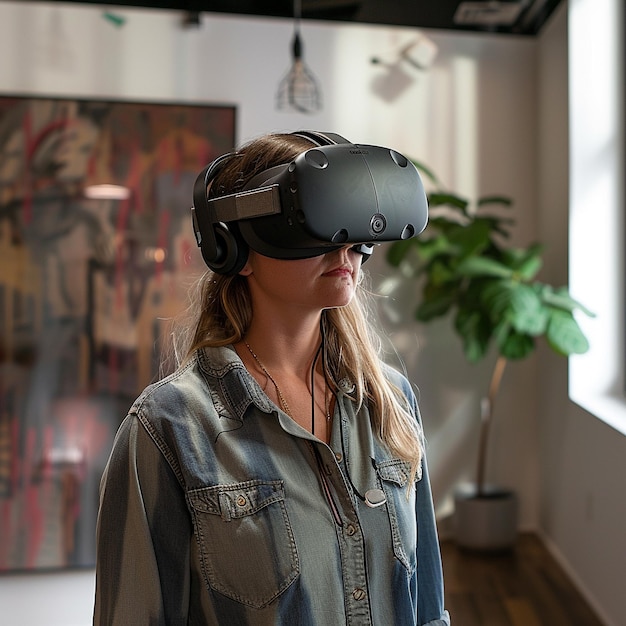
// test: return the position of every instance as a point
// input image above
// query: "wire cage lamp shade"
(298, 90)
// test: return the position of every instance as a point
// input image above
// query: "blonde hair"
(220, 313)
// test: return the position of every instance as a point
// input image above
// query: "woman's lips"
(340, 271)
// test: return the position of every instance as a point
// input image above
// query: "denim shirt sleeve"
(142, 572)
(430, 600)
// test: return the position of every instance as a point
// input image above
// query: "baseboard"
(564, 564)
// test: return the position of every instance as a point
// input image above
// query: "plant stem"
(486, 419)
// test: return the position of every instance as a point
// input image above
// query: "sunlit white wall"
(597, 232)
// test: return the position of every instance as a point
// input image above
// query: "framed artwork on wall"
(96, 254)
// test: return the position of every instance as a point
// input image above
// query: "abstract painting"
(96, 254)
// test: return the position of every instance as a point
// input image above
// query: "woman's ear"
(246, 270)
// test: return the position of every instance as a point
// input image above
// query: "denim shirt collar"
(223, 364)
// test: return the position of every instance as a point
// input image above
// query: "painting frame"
(97, 254)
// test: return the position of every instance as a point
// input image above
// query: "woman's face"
(321, 282)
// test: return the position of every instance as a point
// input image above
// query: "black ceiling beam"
(433, 14)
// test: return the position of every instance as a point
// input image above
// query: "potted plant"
(466, 267)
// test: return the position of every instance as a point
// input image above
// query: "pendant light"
(299, 89)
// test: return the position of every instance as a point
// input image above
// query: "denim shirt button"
(241, 500)
(359, 594)
(350, 529)
(338, 456)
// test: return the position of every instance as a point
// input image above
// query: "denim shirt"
(217, 508)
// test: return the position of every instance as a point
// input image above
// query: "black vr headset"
(334, 194)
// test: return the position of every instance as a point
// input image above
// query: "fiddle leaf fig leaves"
(463, 267)
(448, 199)
(560, 299)
(475, 330)
(483, 266)
(426, 171)
(564, 334)
(469, 240)
(501, 200)
(436, 301)
(516, 346)
(399, 250)
(519, 305)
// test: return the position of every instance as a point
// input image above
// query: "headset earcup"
(231, 253)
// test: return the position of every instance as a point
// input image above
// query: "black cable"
(373, 497)
(315, 358)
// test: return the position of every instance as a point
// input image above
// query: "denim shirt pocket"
(245, 539)
(394, 477)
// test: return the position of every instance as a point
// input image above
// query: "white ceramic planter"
(487, 522)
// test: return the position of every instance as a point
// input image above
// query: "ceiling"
(514, 17)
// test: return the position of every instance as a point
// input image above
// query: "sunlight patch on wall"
(597, 204)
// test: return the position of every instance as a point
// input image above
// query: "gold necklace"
(283, 403)
(281, 398)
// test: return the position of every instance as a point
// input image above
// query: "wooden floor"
(524, 587)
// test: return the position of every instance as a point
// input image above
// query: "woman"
(278, 476)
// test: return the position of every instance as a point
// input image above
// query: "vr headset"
(334, 194)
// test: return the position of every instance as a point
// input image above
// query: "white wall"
(583, 460)
(472, 118)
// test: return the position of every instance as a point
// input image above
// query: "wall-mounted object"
(399, 73)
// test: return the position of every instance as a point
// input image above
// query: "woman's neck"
(282, 359)
(287, 348)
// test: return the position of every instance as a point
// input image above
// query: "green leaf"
(428, 249)
(527, 314)
(428, 310)
(529, 268)
(447, 199)
(423, 169)
(564, 334)
(474, 348)
(495, 223)
(483, 266)
(517, 304)
(398, 250)
(527, 261)
(502, 331)
(495, 297)
(471, 239)
(467, 321)
(503, 200)
(435, 303)
(441, 225)
(440, 273)
(517, 346)
(561, 299)
(512, 257)
(475, 331)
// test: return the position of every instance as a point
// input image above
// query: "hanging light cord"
(299, 88)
